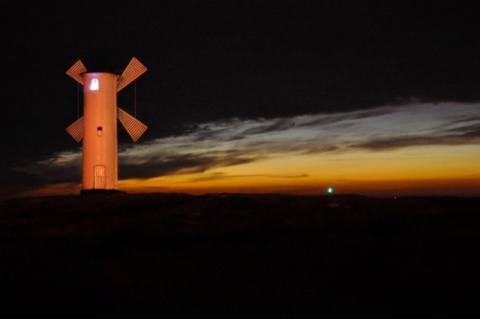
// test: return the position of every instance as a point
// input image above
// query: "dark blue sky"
(243, 59)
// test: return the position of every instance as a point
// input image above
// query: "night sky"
(370, 97)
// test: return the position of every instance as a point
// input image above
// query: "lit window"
(94, 85)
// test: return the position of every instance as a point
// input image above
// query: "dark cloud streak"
(459, 136)
(181, 164)
(221, 176)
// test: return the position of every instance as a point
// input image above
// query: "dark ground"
(239, 256)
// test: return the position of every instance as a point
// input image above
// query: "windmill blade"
(134, 127)
(76, 71)
(76, 129)
(134, 69)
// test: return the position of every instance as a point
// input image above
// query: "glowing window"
(94, 85)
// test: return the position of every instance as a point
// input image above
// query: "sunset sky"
(373, 98)
(381, 151)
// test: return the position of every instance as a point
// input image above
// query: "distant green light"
(330, 190)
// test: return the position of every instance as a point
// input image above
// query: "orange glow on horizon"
(388, 151)
(398, 172)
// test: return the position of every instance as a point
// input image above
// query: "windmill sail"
(76, 71)
(97, 128)
(134, 69)
(134, 127)
(76, 129)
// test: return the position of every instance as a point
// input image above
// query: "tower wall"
(100, 152)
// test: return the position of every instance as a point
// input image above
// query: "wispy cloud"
(60, 167)
(235, 142)
(422, 125)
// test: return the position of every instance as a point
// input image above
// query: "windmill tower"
(98, 125)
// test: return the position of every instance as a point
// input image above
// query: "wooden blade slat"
(134, 69)
(134, 127)
(76, 129)
(76, 71)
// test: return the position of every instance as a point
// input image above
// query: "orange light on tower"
(98, 125)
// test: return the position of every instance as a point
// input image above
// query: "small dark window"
(99, 128)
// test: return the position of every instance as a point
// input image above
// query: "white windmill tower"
(98, 125)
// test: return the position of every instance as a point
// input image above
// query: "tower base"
(100, 191)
